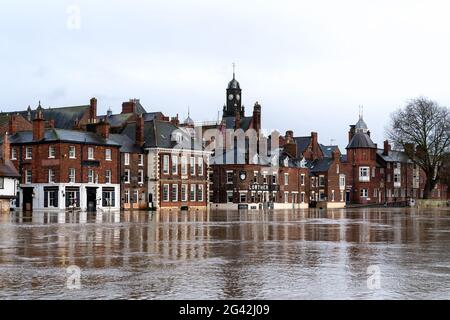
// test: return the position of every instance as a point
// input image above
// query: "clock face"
(230, 97)
(238, 97)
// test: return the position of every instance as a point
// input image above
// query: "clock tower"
(234, 99)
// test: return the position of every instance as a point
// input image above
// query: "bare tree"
(421, 129)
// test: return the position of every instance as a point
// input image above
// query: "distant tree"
(421, 129)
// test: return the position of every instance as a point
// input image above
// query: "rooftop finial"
(189, 111)
(234, 68)
(361, 111)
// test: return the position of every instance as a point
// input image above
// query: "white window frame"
(321, 178)
(51, 175)
(51, 152)
(141, 159)
(166, 164)
(127, 196)
(342, 181)
(200, 166)
(108, 155)
(13, 153)
(192, 166)
(166, 195)
(174, 194)
(126, 159)
(108, 176)
(91, 176)
(140, 176)
(364, 174)
(174, 165)
(28, 153)
(228, 181)
(136, 196)
(193, 191)
(184, 193)
(127, 176)
(73, 150)
(91, 155)
(184, 169)
(200, 193)
(228, 196)
(28, 176)
(72, 177)
(286, 179)
(364, 193)
(302, 179)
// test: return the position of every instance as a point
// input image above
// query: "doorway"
(91, 199)
(347, 197)
(27, 199)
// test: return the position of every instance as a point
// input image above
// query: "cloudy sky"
(310, 64)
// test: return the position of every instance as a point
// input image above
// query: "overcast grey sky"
(309, 63)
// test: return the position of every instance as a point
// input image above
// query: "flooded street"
(310, 254)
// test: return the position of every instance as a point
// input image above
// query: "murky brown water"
(308, 254)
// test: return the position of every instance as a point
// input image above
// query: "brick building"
(9, 176)
(65, 168)
(176, 173)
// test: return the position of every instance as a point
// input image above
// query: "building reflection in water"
(240, 251)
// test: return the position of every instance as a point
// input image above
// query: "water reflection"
(226, 254)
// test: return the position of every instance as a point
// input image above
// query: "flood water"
(309, 254)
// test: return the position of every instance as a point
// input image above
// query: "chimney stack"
(351, 133)
(257, 117)
(93, 110)
(102, 128)
(336, 155)
(12, 124)
(130, 106)
(139, 130)
(289, 143)
(386, 148)
(6, 148)
(39, 124)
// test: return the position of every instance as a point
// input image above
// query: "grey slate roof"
(53, 134)
(328, 150)
(63, 117)
(152, 115)
(302, 144)
(126, 144)
(158, 134)
(394, 156)
(361, 140)
(320, 165)
(116, 120)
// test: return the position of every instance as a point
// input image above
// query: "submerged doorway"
(91, 199)
(27, 199)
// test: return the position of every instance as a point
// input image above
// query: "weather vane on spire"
(234, 68)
